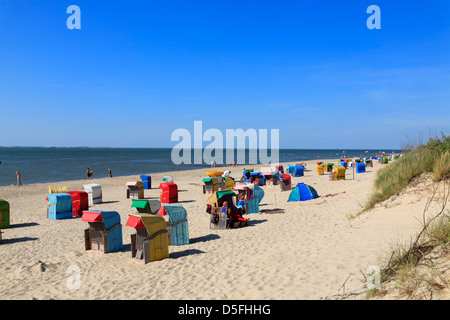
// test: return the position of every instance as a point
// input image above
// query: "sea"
(54, 164)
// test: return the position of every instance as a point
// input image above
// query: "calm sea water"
(38, 164)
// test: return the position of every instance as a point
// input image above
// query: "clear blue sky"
(137, 70)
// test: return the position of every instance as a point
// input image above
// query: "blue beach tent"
(303, 192)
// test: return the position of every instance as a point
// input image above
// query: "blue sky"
(138, 70)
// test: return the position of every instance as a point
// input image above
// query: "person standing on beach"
(109, 173)
(19, 179)
(89, 173)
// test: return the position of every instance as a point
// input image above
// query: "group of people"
(89, 173)
(232, 164)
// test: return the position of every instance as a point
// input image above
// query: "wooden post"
(87, 240)
(133, 245)
(146, 251)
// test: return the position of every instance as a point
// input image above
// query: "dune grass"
(432, 157)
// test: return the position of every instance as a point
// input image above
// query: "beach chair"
(298, 171)
(80, 202)
(210, 185)
(146, 206)
(135, 190)
(360, 167)
(4, 214)
(228, 184)
(338, 173)
(169, 193)
(177, 223)
(104, 232)
(285, 183)
(150, 242)
(218, 219)
(253, 195)
(94, 191)
(330, 167)
(147, 181)
(57, 189)
(59, 206)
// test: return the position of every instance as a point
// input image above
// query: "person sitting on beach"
(235, 219)
(241, 205)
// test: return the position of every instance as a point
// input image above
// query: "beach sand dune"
(307, 252)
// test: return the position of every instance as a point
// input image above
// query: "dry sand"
(307, 252)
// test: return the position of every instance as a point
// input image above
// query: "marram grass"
(432, 157)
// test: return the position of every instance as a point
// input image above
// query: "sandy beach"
(307, 252)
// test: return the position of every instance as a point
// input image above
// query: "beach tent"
(150, 242)
(169, 192)
(384, 160)
(80, 202)
(104, 232)
(94, 191)
(360, 167)
(59, 206)
(146, 181)
(177, 223)
(4, 214)
(330, 167)
(298, 171)
(302, 192)
(343, 163)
